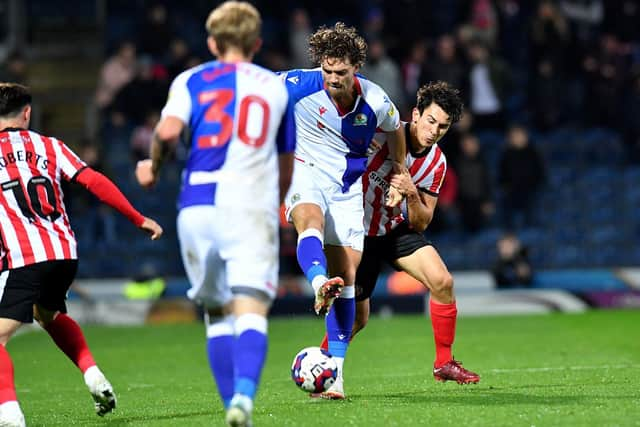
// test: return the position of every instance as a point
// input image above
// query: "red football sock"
(443, 319)
(7, 387)
(68, 336)
(325, 342)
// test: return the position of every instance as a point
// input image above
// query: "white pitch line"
(565, 368)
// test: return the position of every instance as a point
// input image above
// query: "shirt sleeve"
(179, 99)
(105, 190)
(69, 162)
(286, 138)
(390, 119)
(433, 183)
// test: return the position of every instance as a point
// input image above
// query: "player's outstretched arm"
(105, 190)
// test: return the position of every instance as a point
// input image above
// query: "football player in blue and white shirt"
(242, 133)
(337, 112)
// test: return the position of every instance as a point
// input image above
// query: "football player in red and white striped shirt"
(37, 246)
(398, 240)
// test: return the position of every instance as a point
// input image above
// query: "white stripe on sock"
(311, 232)
(251, 321)
(349, 291)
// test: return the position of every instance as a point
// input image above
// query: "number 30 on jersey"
(253, 109)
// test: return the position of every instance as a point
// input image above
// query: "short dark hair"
(338, 42)
(443, 94)
(13, 98)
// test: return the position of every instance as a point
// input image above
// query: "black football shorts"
(45, 283)
(400, 242)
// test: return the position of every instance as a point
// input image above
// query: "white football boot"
(239, 412)
(101, 391)
(11, 415)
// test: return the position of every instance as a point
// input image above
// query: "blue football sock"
(220, 340)
(250, 352)
(339, 322)
(310, 254)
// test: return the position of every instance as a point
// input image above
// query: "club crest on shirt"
(360, 120)
(295, 197)
(322, 110)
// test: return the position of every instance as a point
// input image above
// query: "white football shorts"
(226, 251)
(343, 212)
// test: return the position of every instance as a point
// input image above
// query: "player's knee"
(43, 316)
(442, 283)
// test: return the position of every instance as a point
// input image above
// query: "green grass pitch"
(547, 370)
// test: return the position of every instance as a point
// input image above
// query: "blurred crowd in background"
(547, 154)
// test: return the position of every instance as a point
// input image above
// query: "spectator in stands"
(299, 32)
(156, 32)
(521, 176)
(446, 64)
(512, 267)
(116, 72)
(451, 147)
(606, 67)
(585, 18)
(14, 69)
(482, 20)
(383, 70)
(475, 195)
(489, 86)
(412, 67)
(549, 36)
(143, 94)
(177, 57)
(547, 96)
(445, 216)
(630, 122)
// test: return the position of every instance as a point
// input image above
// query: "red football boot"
(453, 371)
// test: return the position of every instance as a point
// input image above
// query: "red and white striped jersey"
(427, 170)
(33, 218)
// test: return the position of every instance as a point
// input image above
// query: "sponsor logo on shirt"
(294, 80)
(391, 111)
(376, 179)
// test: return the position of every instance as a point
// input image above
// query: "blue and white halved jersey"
(334, 141)
(240, 119)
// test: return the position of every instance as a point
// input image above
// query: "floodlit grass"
(552, 370)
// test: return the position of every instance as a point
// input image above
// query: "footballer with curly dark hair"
(337, 113)
(338, 42)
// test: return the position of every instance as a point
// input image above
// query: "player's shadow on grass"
(125, 421)
(480, 397)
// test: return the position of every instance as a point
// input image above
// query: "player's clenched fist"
(144, 173)
(394, 197)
